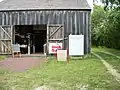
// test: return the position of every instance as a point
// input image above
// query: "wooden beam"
(6, 46)
(55, 39)
(5, 32)
(4, 39)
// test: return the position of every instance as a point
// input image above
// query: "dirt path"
(21, 64)
(109, 67)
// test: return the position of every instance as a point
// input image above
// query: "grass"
(113, 51)
(113, 60)
(2, 57)
(89, 73)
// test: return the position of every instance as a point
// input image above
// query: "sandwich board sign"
(76, 45)
(62, 55)
(53, 47)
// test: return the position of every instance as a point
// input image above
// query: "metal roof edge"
(45, 10)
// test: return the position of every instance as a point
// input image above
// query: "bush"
(107, 32)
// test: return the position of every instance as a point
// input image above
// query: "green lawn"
(2, 57)
(114, 51)
(78, 74)
(113, 60)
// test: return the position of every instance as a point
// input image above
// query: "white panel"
(76, 44)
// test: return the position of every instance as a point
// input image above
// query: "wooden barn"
(32, 23)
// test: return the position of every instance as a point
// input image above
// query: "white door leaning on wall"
(76, 45)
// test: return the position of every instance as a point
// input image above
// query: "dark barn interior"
(33, 35)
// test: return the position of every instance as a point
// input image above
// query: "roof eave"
(11, 10)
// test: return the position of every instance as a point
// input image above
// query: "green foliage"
(107, 32)
(111, 3)
(112, 26)
(98, 16)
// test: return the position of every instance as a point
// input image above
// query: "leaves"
(98, 16)
(111, 3)
(105, 30)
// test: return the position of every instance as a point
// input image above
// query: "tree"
(105, 27)
(98, 16)
(111, 3)
(112, 27)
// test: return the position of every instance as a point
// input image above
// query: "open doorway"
(39, 41)
(31, 38)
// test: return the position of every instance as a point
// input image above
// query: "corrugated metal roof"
(43, 4)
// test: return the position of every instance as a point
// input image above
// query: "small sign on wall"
(76, 45)
(53, 47)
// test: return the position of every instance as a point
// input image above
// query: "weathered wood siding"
(75, 21)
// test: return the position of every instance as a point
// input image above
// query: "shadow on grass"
(85, 57)
(76, 58)
(70, 58)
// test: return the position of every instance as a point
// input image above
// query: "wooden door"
(55, 33)
(5, 39)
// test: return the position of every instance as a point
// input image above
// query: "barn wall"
(75, 22)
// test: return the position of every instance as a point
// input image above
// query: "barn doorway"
(31, 38)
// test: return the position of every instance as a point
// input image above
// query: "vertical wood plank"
(2, 18)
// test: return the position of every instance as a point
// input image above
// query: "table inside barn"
(23, 49)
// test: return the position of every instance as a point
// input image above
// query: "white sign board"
(53, 47)
(76, 45)
(62, 55)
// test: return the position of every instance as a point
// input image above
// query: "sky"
(91, 3)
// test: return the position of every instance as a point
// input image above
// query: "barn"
(33, 23)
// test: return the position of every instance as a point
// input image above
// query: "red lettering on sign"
(59, 46)
(56, 46)
(54, 50)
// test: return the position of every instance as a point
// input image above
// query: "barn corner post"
(90, 38)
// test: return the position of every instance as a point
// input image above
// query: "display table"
(23, 49)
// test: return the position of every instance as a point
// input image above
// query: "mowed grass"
(79, 74)
(114, 51)
(111, 59)
(2, 57)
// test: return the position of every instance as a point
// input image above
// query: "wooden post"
(67, 57)
(55, 55)
(28, 44)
